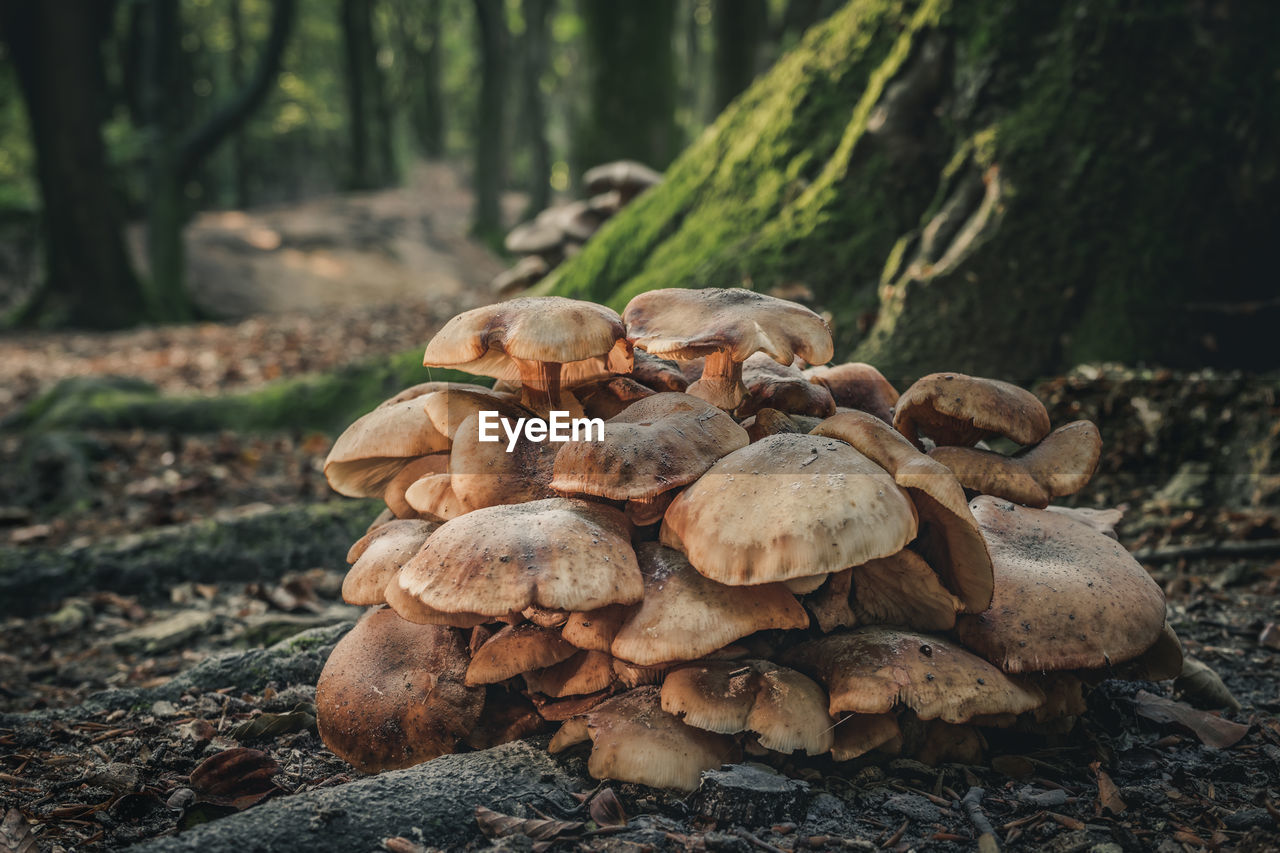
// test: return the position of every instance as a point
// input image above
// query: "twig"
(763, 845)
(972, 803)
(897, 836)
(1254, 548)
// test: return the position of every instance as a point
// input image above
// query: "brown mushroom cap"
(990, 473)
(1067, 597)
(901, 589)
(786, 709)
(609, 398)
(517, 649)
(542, 340)
(954, 409)
(875, 669)
(858, 734)
(949, 534)
(487, 473)
(585, 672)
(657, 444)
(684, 615)
(377, 557)
(634, 740)
(830, 604)
(857, 385)
(394, 493)
(433, 498)
(449, 410)
(782, 387)
(556, 553)
(594, 630)
(371, 451)
(392, 695)
(726, 326)
(660, 374)
(829, 508)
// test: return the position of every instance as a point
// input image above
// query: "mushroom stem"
(721, 382)
(539, 385)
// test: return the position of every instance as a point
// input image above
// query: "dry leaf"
(1108, 794)
(497, 825)
(400, 844)
(16, 835)
(237, 777)
(605, 809)
(1270, 636)
(265, 726)
(1212, 730)
(1202, 687)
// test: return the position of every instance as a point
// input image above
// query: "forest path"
(302, 287)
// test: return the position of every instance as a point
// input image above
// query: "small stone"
(164, 708)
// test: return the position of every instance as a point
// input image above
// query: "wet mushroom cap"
(954, 409)
(1067, 597)
(830, 507)
(656, 444)
(391, 693)
(557, 554)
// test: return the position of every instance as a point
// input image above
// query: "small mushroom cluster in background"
(559, 232)
(760, 556)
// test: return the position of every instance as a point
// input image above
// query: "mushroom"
(829, 508)
(628, 177)
(901, 589)
(392, 694)
(782, 387)
(375, 448)
(489, 473)
(377, 556)
(525, 274)
(858, 734)
(856, 385)
(1066, 596)
(394, 493)
(543, 341)
(517, 649)
(726, 326)
(583, 673)
(954, 409)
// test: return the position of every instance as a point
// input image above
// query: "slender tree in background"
(55, 46)
(417, 36)
(631, 93)
(237, 72)
(740, 28)
(370, 160)
(490, 174)
(533, 104)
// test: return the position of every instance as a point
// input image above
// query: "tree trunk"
(357, 42)
(489, 178)
(631, 109)
(239, 141)
(55, 46)
(535, 113)
(740, 27)
(1001, 189)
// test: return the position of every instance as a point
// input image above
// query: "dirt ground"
(341, 280)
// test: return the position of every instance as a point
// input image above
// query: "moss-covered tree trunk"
(1000, 188)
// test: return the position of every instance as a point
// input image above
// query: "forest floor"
(343, 280)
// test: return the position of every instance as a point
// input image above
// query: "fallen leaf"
(1270, 636)
(1108, 795)
(497, 825)
(400, 844)
(1212, 730)
(265, 726)
(605, 809)
(238, 777)
(16, 835)
(1202, 687)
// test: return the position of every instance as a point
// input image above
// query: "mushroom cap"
(901, 589)
(857, 385)
(656, 444)
(610, 397)
(684, 615)
(377, 556)
(782, 387)
(1067, 597)
(949, 533)
(954, 409)
(371, 451)
(830, 604)
(533, 329)
(527, 272)
(433, 498)
(991, 473)
(594, 630)
(634, 740)
(660, 374)
(448, 410)
(629, 175)
(557, 554)
(583, 673)
(539, 236)
(517, 649)
(486, 473)
(684, 324)
(858, 734)
(392, 695)
(411, 609)
(786, 709)
(394, 493)
(872, 670)
(829, 507)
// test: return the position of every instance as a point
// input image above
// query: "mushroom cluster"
(559, 232)
(758, 554)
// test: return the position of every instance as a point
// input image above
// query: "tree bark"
(535, 113)
(357, 43)
(490, 172)
(631, 107)
(740, 27)
(239, 140)
(999, 189)
(55, 46)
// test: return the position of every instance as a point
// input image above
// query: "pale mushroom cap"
(857, 385)
(432, 497)
(659, 443)
(536, 329)
(377, 445)
(558, 554)
(394, 493)
(1067, 597)
(954, 409)
(527, 272)
(901, 589)
(831, 603)
(449, 410)
(872, 670)
(517, 649)
(630, 175)
(786, 709)
(411, 609)
(391, 693)
(486, 473)
(634, 740)
(683, 324)
(377, 557)
(537, 237)
(782, 387)
(788, 506)
(594, 630)
(684, 615)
